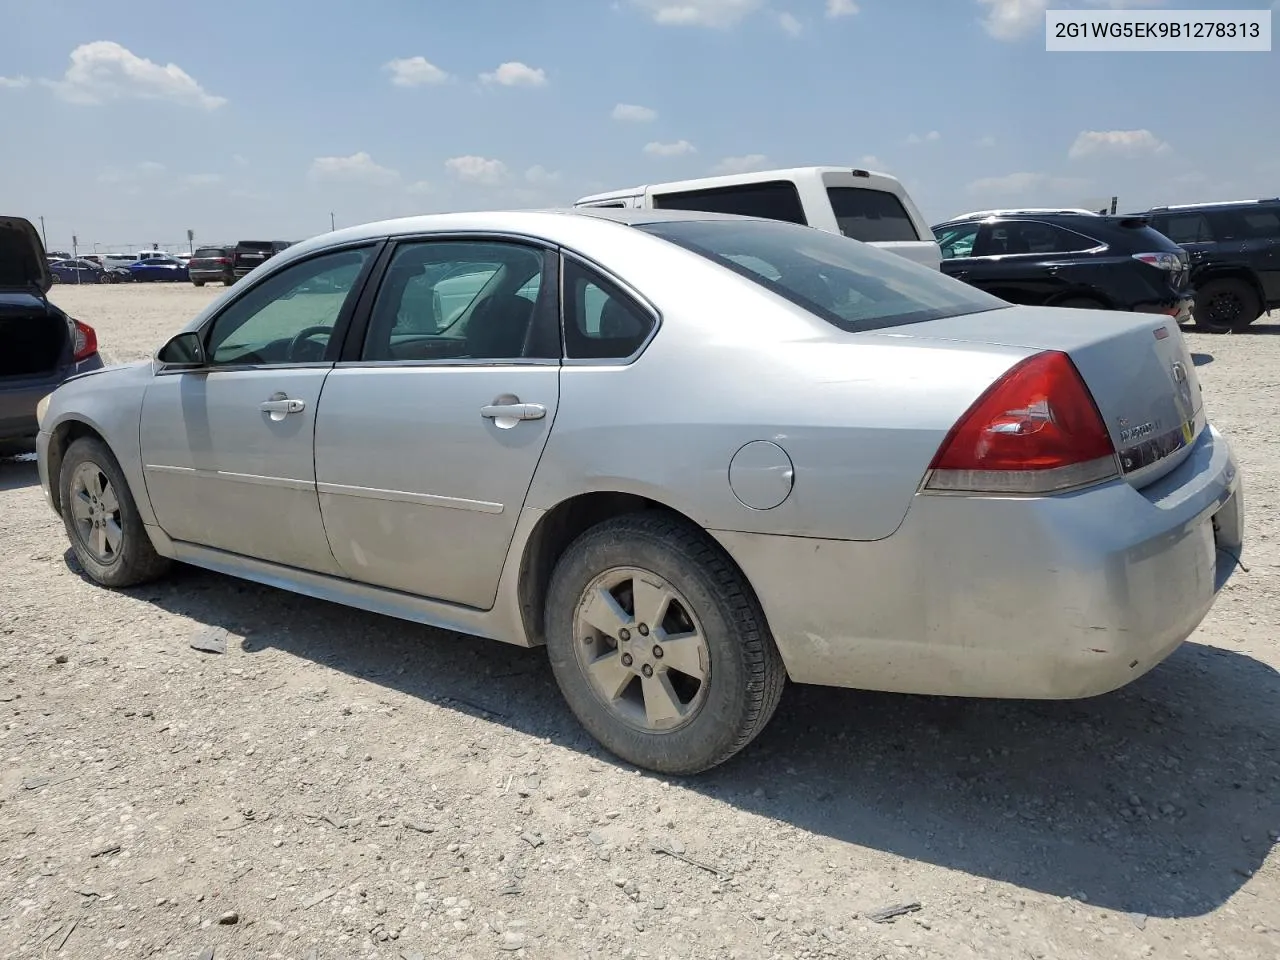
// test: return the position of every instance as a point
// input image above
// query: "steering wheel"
(303, 337)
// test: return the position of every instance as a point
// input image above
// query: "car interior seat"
(498, 327)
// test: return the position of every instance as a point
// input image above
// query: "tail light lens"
(1035, 430)
(222, 260)
(84, 341)
(1163, 261)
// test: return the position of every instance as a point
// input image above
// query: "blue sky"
(130, 124)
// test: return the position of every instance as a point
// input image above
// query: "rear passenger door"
(1257, 230)
(1191, 231)
(431, 426)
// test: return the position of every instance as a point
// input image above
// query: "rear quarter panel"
(860, 416)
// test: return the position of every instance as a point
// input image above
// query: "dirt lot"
(339, 784)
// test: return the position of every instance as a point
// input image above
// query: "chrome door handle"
(281, 407)
(513, 411)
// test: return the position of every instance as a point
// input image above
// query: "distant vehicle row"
(227, 264)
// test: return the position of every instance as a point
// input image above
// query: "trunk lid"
(1136, 366)
(23, 266)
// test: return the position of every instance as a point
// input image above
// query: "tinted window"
(957, 241)
(1185, 227)
(267, 324)
(774, 200)
(600, 321)
(209, 252)
(871, 216)
(1012, 237)
(851, 285)
(443, 300)
(1261, 223)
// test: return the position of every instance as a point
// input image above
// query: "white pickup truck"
(871, 207)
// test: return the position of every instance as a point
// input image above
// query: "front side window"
(853, 286)
(957, 242)
(289, 317)
(872, 216)
(772, 200)
(458, 299)
(600, 321)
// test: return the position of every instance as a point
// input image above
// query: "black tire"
(228, 282)
(1223, 306)
(1082, 303)
(197, 283)
(135, 561)
(745, 673)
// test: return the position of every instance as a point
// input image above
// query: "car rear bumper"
(1179, 308)
(196, 273)
(18, 399)
(1040, 598)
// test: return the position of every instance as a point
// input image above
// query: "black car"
(40, 346)
(1235, 258)
(211, 264)
(250, 253)
(1068, 258)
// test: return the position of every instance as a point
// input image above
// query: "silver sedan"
(693, 456)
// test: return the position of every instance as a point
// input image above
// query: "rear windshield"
(210, 252)
(872, 216)
(850, 285)
(256, 245)
(772, 199)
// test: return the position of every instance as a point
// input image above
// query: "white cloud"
(471, 169)
(677, 149)
(421, 188)
(1013, 19)
(104, 70)
(1118, 143)
(987, 141)
(698, 13)
(790, 24)
(14, 83)
(239, 161)
(151, 167)
(357, 168)
(931, 137)
(745, 164)
(872, 162)
(516, 74)
(541, 175)
(414, 72)
(1024, 183)
(202, 179)
(841, 8)
(634, 113)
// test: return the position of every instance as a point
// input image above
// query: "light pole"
(330, 221)
(43, 236)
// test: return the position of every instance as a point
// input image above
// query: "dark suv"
(250, 253)
(1068, 258)
(1235, 258)
(211, 264)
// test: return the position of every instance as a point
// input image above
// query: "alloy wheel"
(95, 510)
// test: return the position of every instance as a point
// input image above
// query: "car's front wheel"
(102, 519)
(659, 644)
(1225, 305)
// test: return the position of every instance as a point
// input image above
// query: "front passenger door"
(228, 449)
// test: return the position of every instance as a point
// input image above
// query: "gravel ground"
(339, 784)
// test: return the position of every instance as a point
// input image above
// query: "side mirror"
(184, 350)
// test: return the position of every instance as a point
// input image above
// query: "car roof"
(876, 178)
(1213, 205)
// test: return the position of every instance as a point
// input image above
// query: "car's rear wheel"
(659, 645)
(102, 519)
(197, 283)
(1081, 303)
(1225, 305)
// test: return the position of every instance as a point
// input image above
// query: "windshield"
(851, 285)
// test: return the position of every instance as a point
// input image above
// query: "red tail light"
(1035, 430)
(222, 260)
(85, 344)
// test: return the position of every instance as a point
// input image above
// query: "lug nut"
(647, 670)
(626, 660)
(624, 635)
(644, 629)
(657, 652)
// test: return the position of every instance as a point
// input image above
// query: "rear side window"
(1013, 237)
(600, 321)
(1263, 224)
(850, 285)
(872, 216)
(1185, 227)
(771, 200)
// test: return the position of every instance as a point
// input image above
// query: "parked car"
(40, 346)
(249, 254)
(211, 264)
(93, 258)
(1235, 258)
(153, 269)
(694, 455)
(55, 255)
(1068, 258)
(75, 271)
(867, 206)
